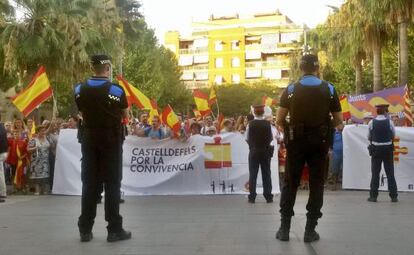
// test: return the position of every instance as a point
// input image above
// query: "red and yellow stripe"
(38, 91)
(134, 95)
(202, 102)
(170, 119)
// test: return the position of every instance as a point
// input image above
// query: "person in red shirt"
(17, 157)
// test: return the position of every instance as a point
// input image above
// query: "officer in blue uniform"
(103, 105)
(381, 133)
(259, 137)
(310, 103)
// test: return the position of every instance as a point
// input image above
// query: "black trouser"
(260, 158)
(314, 153)
(383, 154)
(101, 158)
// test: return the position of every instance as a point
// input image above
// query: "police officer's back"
(259, 137)
(102, 105)
(310, 102)
(381, 133)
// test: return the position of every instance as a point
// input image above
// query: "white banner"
(357, 162)
(200, 165)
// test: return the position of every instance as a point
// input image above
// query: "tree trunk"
(377, 66)
(403, 54)
(358, 77)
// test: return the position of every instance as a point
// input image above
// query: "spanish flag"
(202, 102)
(134, 96)
(38, 91)
(212, 99)
(346, 113)
(19, 175)
(153, 112)
(267, 101)
(170, 119)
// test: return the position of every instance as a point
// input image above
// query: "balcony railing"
(193, 51)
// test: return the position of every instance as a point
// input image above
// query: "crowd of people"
(29, 150)
(28, 155)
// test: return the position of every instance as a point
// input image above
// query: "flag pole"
(54, 109)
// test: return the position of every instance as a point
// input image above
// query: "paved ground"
(188, 225)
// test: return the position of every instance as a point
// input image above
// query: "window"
(219, 62)
(235, 78)
(218, 45)
(219, 79)
(235, 62)
(235, 45)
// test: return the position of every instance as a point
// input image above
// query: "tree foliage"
(63, 34)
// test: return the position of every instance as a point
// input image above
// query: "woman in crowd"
(17, 155)
(52, 137)
(39, 161)
(240, 124)
(18, 126)
(195, 128)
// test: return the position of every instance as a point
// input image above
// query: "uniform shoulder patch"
(116, 91)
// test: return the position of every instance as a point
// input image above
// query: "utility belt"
(295, 132)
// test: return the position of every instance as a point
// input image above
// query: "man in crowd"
(143, 121)
(381, 133)
(259, 137)
(208, 122)
(103, 105)
(309, 103)
(154, 131)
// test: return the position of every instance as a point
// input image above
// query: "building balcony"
(195, 84)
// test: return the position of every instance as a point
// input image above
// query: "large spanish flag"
(38, 91)
(346, 113)
(202, 102)
(134, 96)
(268, 101)
(170, 119)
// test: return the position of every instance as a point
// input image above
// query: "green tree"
(154, 70)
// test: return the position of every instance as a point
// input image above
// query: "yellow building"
(235, 49)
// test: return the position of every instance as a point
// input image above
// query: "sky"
(165, 15)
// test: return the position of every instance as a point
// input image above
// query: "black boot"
(283, 233)
(310, 234)
(118, 236)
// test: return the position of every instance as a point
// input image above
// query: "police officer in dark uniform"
(310, 102)
(103, 105)
(381, 133)
(259, 137)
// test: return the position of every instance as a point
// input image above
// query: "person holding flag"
(103, 106)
